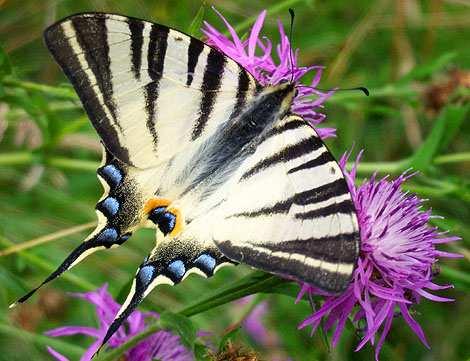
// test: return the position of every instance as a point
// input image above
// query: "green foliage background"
(408, 53)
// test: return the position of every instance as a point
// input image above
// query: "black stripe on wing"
(291, 152)
(323, 158)
(344, 207)
(210, 84)
(156, 59)
(242, 93)
(311, 196)
(341, 248)
(91, 31)
(136, 28)
(194, 50)
(264, 259)
(294, 123)
(60, 47)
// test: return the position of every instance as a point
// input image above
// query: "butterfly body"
(195, 147)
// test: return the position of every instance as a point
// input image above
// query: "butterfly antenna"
(291, 50)
(360, 88)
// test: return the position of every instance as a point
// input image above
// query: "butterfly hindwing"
(290, 212)
(149, 90)
(170, 262)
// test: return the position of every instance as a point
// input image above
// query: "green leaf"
(287, 289)
(449, 121)
(194, 28)
(422, 72)
(253, 283)
(5, 65)
(453, 126)
(181, 325)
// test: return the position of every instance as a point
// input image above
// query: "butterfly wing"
(150, 91)
(288, 210)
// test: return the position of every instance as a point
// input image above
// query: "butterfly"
(196, 148)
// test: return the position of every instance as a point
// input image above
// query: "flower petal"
(56, 355)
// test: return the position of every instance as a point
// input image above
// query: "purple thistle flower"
(395, 266)
(255, 55)
(162, 345)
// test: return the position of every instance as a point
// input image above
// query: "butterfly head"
(285, 93)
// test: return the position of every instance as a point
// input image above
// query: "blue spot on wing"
(205, 262)
(146, 275)
(110, 205)
(177, 269)
(112, 174)
(107, 237)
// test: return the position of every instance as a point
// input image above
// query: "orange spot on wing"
(153, 203)
(179, 221)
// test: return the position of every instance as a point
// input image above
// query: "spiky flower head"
(396, 265)
(255, 55)
(162, 345)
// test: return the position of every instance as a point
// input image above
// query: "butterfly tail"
(101, 238)
(148, 276)
(168, 263)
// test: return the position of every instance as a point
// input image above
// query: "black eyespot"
(165, 221)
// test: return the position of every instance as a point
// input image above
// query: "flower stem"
(60, 92)
(22, 158)
(455, 275)
(73, 164)
(381, 167)
(47, 238)
(26, 158)
(41, 263)
(16, 158)
(452, 158)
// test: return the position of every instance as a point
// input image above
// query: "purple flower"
(254, 326)
(395, 266)
(255, 55)
(162, 345)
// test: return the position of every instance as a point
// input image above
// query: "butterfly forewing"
(149, 90)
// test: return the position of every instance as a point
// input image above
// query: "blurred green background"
(414, 56)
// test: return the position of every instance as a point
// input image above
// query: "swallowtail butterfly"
(196, 148)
